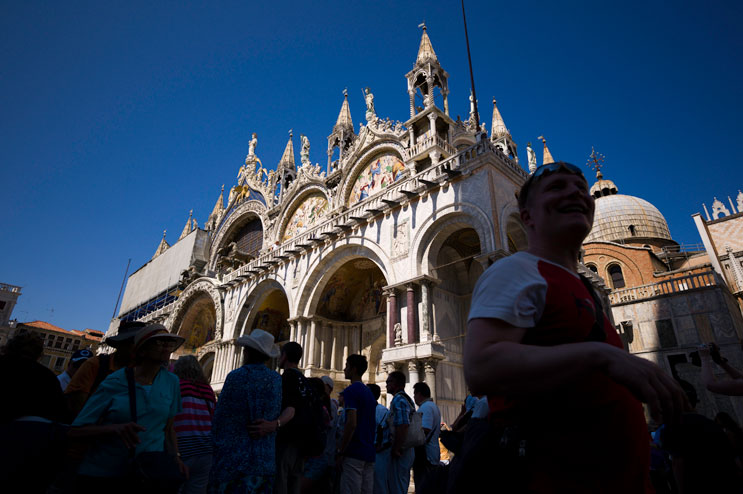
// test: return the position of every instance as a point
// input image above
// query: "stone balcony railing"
(5, 287)
(428, 142)
(665, 287)
(363, 212)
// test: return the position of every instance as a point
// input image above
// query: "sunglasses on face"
(165, 343)
(553, 167)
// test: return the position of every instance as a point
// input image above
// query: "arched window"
(617, 278)
(593, 268)
(632, 230)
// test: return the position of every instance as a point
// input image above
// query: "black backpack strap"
(597, 331)
(132, 398)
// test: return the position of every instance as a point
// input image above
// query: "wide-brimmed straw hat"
(261, 341)
(156, 332)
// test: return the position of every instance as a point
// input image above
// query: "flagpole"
(472, 77)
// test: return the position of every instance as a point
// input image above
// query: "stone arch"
(615, 274)
(207, 363)
(252, 299)
(234, 220)
(298, 197)
(196, 292)
(318, 273)
(363, 160)
(436, 228)
(515, 233)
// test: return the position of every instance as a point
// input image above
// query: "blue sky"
(120, 117)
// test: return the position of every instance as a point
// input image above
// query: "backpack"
(312, 420)
(415, 436)
(379, 443)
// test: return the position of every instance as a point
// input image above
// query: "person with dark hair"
(31, 416)
(245, 462)
(107, 421)
(401, 460)
(194, 424)
(702, 457)
(428, 455)
(382, 442)
(561, 387)
(94, 370)
(735, 436)
(78, 358)
(356, 452)
(317, 469)
(732, 385)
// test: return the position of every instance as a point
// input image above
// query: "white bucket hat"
(260, 340)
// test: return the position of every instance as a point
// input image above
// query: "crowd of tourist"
(556, 403)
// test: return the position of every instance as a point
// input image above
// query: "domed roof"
(619, 217)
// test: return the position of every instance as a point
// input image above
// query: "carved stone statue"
(369, 98)
(251, 146)
(304, 154)
(532, 158)
(397, 328)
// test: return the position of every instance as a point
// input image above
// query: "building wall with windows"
(665, 299)
(8, 297)
(60, 344)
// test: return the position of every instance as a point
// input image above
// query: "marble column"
(310, 350)
(412, 319)
(429, 83)
(346, 336)
(432, 124)
(392, 316)
(323, 344)
(334, 348)
(293, 330)
(219, 362)
(429, 369)
(413, 376)
(425, 310)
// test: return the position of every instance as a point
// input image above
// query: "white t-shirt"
(431, 420)
(512, 290)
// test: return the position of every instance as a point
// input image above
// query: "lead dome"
(623, 218)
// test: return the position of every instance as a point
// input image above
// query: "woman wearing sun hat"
(107, 420)
(242, 463)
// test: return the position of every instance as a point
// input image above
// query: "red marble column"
(412, 319)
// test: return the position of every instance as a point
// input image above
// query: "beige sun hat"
(260, 340)
(153, 332)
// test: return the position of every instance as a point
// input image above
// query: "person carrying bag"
(130, 417)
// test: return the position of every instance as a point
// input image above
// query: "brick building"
(666, 299)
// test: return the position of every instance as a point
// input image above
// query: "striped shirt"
(193, 426)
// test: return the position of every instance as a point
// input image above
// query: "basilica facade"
(377, 252)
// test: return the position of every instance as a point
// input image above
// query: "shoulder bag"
(152, 471)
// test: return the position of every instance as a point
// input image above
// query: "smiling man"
(552, 365)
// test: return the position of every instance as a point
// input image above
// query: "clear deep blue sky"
(117, 118)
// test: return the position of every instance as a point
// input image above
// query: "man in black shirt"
(290, 464)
